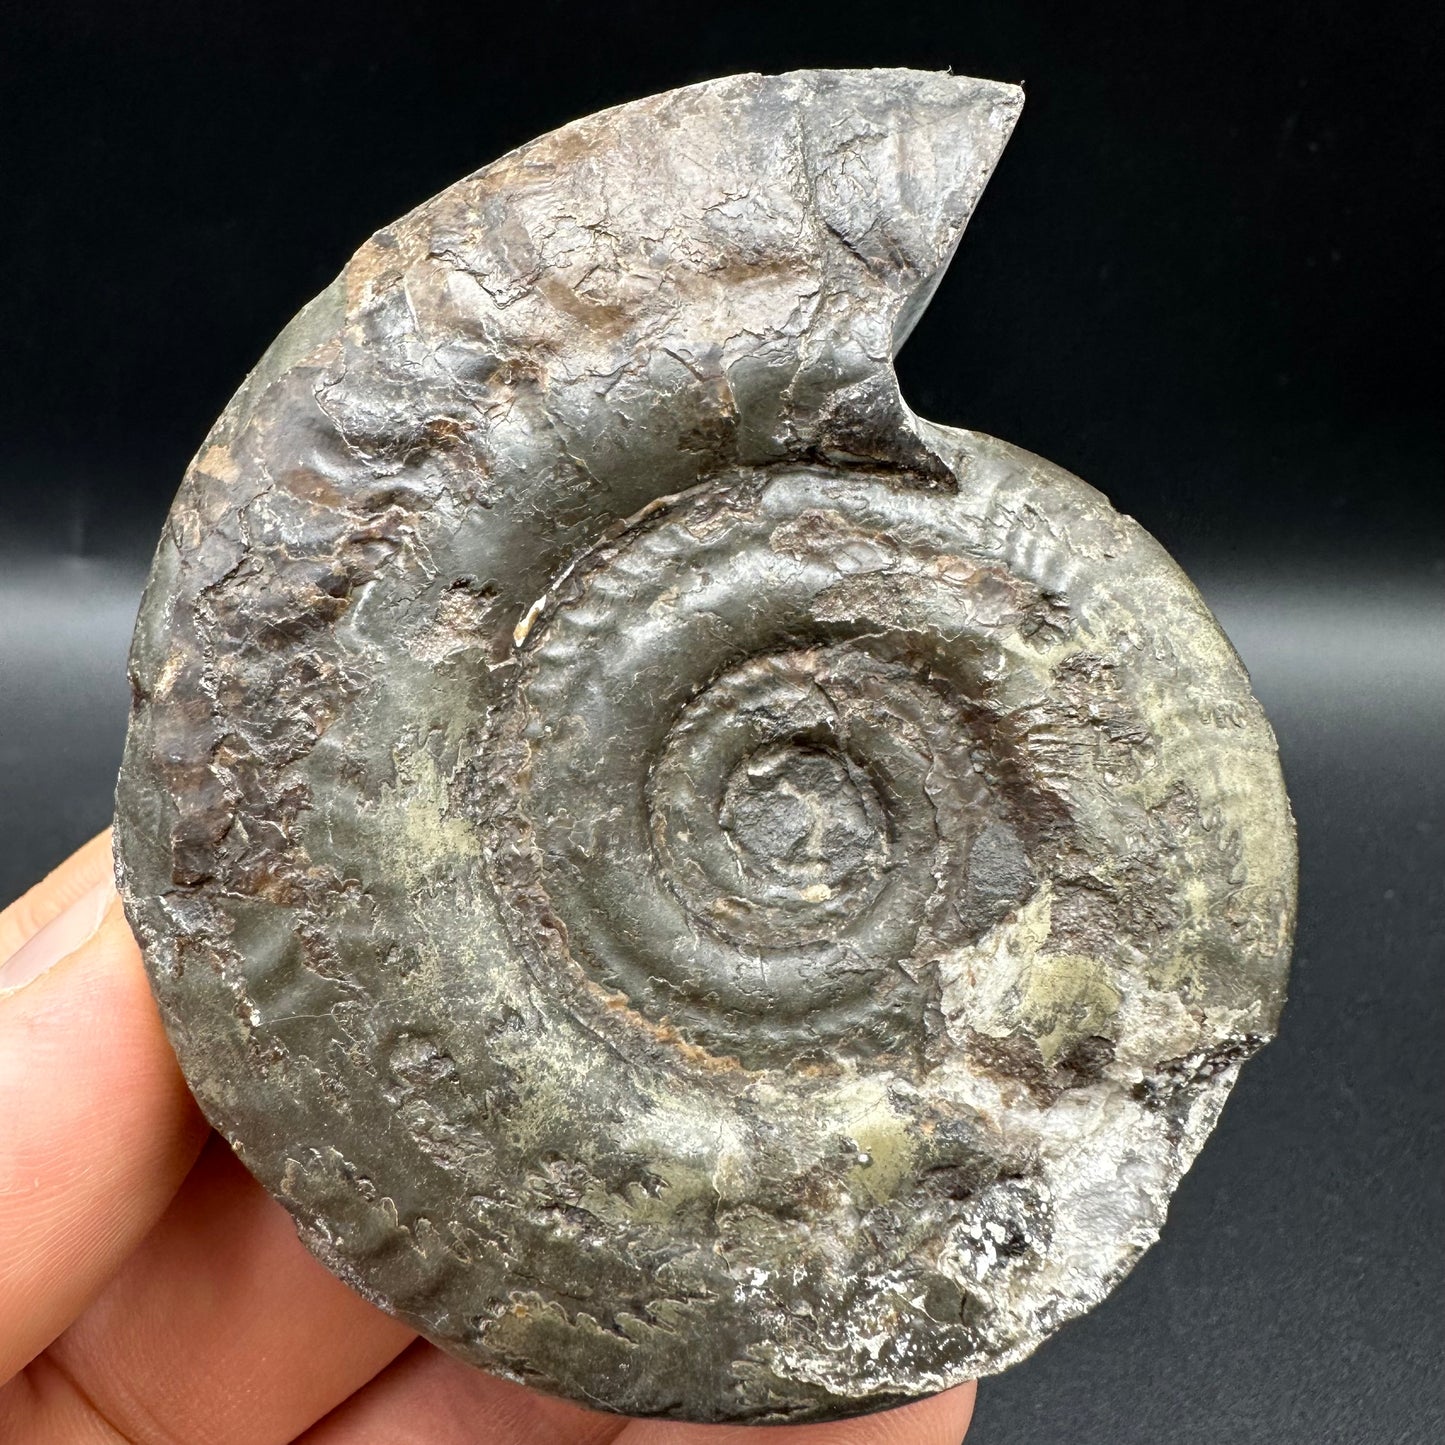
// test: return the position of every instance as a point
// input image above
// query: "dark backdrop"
(1205, 277)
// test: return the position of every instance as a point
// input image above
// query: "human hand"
(151, 1291)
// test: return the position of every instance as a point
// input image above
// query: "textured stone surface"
(699, 890)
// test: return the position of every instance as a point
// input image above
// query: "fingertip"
(65, 933)
(97, 1131)
(90, 864)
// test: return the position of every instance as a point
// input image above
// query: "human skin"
(151, 1291)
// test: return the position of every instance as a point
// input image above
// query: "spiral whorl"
(700, 891)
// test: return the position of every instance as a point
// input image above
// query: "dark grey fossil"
(700, 891)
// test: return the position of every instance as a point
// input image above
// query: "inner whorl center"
(803, 814)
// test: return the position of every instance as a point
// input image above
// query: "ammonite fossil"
(700, 891)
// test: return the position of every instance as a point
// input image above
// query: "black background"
(1205, 277)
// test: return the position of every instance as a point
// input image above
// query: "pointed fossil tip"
(931, 137)
(897, 160)
(907, 91)
(972, 114)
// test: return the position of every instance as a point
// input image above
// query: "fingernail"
(59, 938)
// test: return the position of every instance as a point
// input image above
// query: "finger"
(24, 918)
(97, 1129)
(939, 1420)
(428, 1398)
(221, 1326)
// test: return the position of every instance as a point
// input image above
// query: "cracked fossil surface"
(700, 891)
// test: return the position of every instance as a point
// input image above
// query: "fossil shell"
(700, 891)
